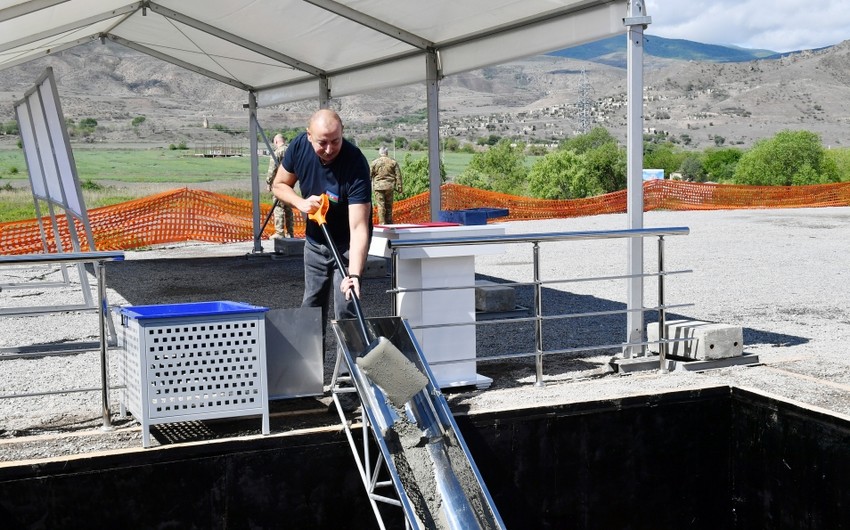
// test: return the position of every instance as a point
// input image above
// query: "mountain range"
(697, 95)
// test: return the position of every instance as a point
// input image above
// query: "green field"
(111, 176)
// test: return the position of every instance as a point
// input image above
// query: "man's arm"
(358, 220)
(283, 187)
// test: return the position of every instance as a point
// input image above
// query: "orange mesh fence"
(170, 217)
(194, 215)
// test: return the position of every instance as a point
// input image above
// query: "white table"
(439, 267)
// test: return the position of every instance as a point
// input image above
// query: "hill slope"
(696, 103)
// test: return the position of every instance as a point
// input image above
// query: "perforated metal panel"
(194, 368)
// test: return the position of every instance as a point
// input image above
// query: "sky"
(777, 25)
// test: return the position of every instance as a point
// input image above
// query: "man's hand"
(348, 284)
(310, 204)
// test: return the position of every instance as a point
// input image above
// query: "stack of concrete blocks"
(707, 340)
(289, 246)
(376, 267)
(491, 297)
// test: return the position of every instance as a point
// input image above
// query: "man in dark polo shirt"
(321, 161)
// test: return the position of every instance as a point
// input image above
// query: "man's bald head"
(324, 130)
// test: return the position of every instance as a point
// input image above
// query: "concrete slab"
(289, 247)
(491, 297)
(376, 267)
(709, 340)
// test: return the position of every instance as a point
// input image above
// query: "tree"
(500, 168)
(662, 156)
(719, 164)
(451, 144)
(841, 159)
(561, 175)
(415, 176)
(790, 157)
(606, 165)
(692, 169)
(596, 137)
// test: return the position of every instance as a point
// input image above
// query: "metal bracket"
(637, 21)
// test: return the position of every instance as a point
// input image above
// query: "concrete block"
(709, 340)
(492, 297)
(376, 267)
(289, 247)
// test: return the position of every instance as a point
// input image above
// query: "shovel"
(381, 361)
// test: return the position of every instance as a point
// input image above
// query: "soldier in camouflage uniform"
(386, 179)
(283, 217)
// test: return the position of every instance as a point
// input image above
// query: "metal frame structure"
(99, 260)
(461, 499)
(54, 182)
(538, 283)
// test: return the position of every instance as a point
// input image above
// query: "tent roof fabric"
(284, 50)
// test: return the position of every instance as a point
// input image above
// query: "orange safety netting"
(194, 215)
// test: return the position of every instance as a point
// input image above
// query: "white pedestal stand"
(445, 266)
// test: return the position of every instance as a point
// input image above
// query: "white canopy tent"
(282, 51)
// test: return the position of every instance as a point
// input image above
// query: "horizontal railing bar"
(540, 237)
(66, 257)
(550, 317)
(531, 284)
(58, 392)
(503, 356)
(31, 285)
(43, 310)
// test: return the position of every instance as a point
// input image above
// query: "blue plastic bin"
(472, 216)
(193, 361)
(191, 309)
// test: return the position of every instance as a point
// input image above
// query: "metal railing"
(98, 259)
(539, 317)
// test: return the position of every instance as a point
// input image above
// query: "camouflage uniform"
(386, 178)
(283, 217)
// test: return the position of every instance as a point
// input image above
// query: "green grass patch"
(143, 165)
(161, 165)
(103, 174)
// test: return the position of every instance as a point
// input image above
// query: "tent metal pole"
(635, 22)
(255, 175)
(432, 86)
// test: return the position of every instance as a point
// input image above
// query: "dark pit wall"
(792, 466)
(648, 462)
(717, 458)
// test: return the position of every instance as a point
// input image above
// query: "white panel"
(45, 151)
(30, 151)
(297, 92)
(403, 72)
(61, 149)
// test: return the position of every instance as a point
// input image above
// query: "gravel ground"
(780, 274)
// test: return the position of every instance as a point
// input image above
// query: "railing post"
(662, 317)
(538, 311)
(394, 281)
(102, 314)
